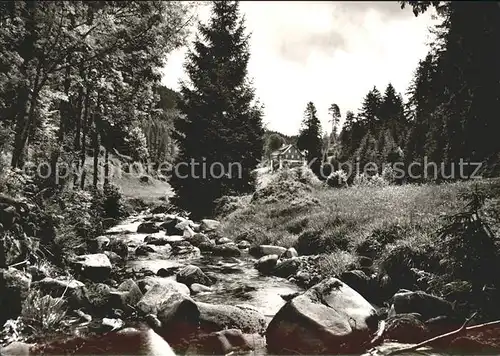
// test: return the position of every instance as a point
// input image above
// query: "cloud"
(323, 52)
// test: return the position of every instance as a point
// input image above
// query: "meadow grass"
(379, 222)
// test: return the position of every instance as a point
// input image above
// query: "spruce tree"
(221, 129)
(310, 138)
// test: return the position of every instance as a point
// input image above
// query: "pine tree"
(222, 127)
(392, 113)
(310, 137)
(370, 110)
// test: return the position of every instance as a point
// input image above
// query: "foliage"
(222, 123)
(337, 179)
(310, 138)
(273, 142)
(82, 75)
(365, 180)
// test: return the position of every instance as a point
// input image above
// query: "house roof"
(285, 149)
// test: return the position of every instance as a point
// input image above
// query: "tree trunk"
(85, 124)
(95, 144)
(20, 122)
(106, 167)
(64, 110)
(76, 143)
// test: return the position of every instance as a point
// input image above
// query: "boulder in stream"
(427, 305)
(193, 274)
(329, 318)
(148, 227)
(95, 267)
(227, 250)
(209, 225)
(200, 239)
(159, 294)
(266, 264)
(264, 250)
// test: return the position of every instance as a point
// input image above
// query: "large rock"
(158, 294)
(160, 239)
(244, 244)
(329, 318)
(128, 341)
(193, 274)
(96, 267)
(147, 283)
(74, 291)
(219, 317)
(361, 283)
(220, 343)
(227, 250)
(169, 225)
(200, 239)
(16, 348)
(287, 268)
(407, 328)
(209, 317)
(263, 250)
(266, 264)
(143, 250)
(186, 251)
(126, 297)
(14, 289)
(209, 225)
(427, 305)
(148, 227)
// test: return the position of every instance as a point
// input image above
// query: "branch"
(461, 330)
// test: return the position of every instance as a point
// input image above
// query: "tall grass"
(43, 314)
(391, 224)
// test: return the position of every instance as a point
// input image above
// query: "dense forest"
(82, 79)
(452, 107)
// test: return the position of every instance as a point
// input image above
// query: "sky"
(324, 52)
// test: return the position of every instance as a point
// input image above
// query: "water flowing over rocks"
(164, 277)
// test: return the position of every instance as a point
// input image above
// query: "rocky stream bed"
(160, 274)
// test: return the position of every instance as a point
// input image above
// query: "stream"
(237, 280)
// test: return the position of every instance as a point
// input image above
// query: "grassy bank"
(399, 227)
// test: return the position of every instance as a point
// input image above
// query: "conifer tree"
(310, 137)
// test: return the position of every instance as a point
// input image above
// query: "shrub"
(388, 233)
(225, 205)
(12, 182)
(108, 203)
(337, 179)
(389, 175)
(399, 260)
(363, 180)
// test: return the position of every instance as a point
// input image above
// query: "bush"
(12, 182)
(363, 180)
(225, 205)
(337, 179)
(107, 203)
(389, 175)
(399, 260)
